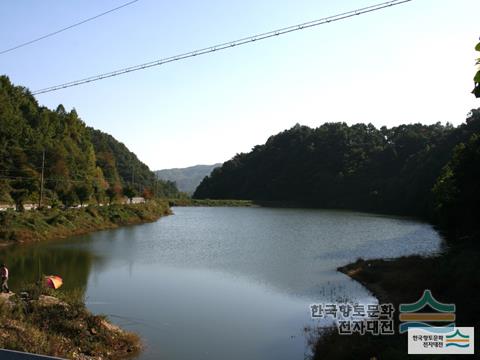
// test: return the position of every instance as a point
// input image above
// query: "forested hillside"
(357, 167)
(122, 166)
(80, 163)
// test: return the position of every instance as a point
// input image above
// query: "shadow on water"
(28, 263)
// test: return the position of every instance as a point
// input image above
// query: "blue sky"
(409, 63)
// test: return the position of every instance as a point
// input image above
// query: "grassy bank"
(209, 202)
(56, 223)
(60, 326)
(453, 277)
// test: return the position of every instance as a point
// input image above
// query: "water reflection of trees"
(28, 263)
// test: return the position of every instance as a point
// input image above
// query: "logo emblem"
(441, 340)
(411, 315)
(458, 339)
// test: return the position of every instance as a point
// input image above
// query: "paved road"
(135, 200)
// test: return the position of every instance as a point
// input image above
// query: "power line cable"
(16, 178)
(62, 179)
(224, 46)
(66, 28)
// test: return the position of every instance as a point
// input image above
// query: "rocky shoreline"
(40, 322)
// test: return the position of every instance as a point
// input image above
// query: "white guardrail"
(30, 206)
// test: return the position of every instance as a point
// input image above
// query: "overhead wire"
(224, 46)
(59, 179)
(66, 28)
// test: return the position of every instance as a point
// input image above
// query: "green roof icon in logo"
(458, 340)
(427, 299)
(458, 333)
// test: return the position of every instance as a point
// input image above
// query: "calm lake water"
(222, 283)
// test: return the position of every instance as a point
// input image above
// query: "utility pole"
(132, 185)
(41, 179)
(133, 177)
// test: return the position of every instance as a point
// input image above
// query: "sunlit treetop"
(476, 79)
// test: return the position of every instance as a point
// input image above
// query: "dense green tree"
(23, 179)
(457, 191)
(68, 197)
(19, 196)
(5, 190)
(111, 194)
(98, 193)
(476, 79)
(83, 193)
(166, 189)
(129, 192)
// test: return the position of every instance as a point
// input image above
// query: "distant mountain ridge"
(187, 179)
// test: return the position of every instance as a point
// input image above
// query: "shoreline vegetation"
(50, 224)
(453, 277)
(42, 321)
(210, 202)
